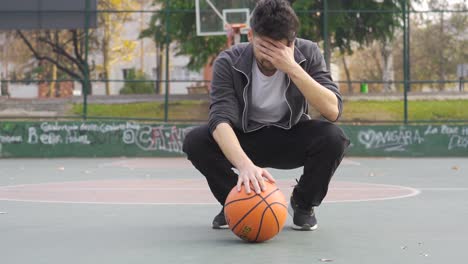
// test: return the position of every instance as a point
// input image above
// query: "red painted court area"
(167, 191)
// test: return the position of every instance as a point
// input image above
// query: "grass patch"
(394, 110)
(353, 110)
(438, 110)
(182, 110)
(372, 110)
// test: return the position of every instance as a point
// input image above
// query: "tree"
(426, 38)
(365, 63)
(182, 30)
(137, 83)
(15, 59)
(65, 49)
(345, 28)
(349, 22)
(113, 47)
(437, 45)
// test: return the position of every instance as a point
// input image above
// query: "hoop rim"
(236, 26)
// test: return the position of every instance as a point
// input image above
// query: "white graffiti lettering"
(50, 139)
(447, 130)
(83, 139)
(32, 135)
(464, 131)
(394, 140)
(458, 142)
(157, 138)
(431, 130)
(106, 128)
(10, 139)
(47, 127)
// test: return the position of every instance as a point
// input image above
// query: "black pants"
(316, 145)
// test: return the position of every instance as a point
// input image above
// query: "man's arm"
(224, 111)
(282, 57)
(321, 98)
(229, 144)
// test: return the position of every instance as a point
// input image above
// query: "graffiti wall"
(411, 141)
(90, 139)
(117, 139)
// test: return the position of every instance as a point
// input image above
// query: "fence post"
(168, 43)
(405, 59)
(86, 69)
(325, 34)
(462, 85)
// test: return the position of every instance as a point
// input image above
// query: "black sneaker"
(303, 219)
(219, 221)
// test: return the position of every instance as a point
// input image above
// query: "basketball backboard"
(214, 15)
(47, 14)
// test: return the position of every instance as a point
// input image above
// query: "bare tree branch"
(58, 49)
(75, 45)
(40, 57)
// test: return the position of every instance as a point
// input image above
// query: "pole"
(86, 66)
(408, 45)
(326, 44)
(405, 60)
(168, 43)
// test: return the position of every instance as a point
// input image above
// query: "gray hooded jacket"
(232, 75)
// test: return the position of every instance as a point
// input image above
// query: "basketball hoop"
(234, 33)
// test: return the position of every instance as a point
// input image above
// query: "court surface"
(159, 210)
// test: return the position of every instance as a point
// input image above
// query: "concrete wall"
(116, 139)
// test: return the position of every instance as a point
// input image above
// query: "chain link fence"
(395, 61)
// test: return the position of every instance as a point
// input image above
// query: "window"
(126, 73)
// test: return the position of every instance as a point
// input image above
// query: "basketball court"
(159, 210)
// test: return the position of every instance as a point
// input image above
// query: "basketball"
(256, 217)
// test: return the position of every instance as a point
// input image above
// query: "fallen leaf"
(455, 168)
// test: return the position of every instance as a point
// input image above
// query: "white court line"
(347, 161)
(444, 189)
(101, 203)
(167, 189)
(281, 184)
(413, 192)
(19, 188)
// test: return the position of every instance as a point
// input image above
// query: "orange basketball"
(256, 217)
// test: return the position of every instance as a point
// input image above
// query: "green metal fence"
(139, 40)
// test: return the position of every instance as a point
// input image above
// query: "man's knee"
(335, 139)
(196, 140)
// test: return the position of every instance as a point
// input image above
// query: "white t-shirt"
(268, 96)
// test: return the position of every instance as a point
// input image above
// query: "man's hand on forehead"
(277, 52)
(276, 43)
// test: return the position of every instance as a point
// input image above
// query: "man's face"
(262, 62)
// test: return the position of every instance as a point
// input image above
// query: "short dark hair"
(275, 19)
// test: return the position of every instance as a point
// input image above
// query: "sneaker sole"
(300, 228)
(305, 228)
(220, 227)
